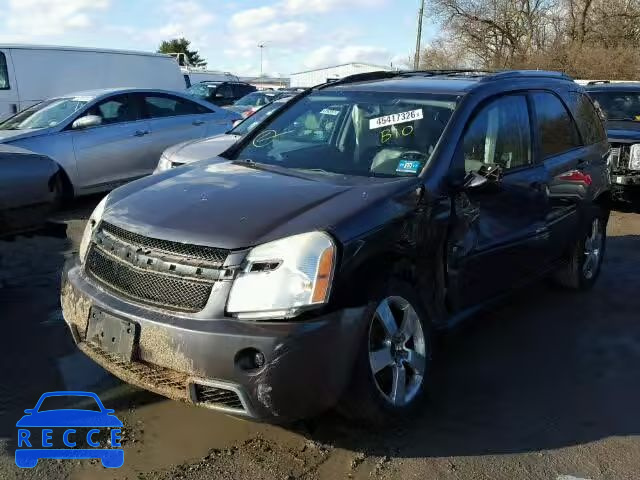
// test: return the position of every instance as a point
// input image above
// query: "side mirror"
(29, 411)
(486, 176)
(87, 121)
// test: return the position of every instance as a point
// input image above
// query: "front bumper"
(307, 362)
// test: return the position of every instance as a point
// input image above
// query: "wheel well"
(67, 187)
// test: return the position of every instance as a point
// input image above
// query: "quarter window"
(588, 120)
(4, 73)
(166, 106)
(499, 134)
(558, 132)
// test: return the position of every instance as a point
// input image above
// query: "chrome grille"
(619, 156)
(217, 397)
(208, 254)
(146, 286)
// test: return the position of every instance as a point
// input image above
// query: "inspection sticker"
(395, 118)
(328, 111)
(408, 166)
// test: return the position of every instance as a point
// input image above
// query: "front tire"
(393, 365)
(586, 255)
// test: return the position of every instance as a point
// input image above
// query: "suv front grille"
(208, 254)
(147, 286)
(619, 156)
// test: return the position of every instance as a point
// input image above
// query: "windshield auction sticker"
(395, 118)
(69, 426)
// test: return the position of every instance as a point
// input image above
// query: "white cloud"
(333, 55)
(303, 7)
(253, 17)
(39, 18)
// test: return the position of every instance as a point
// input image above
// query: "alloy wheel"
(593, 247)
(397, 350)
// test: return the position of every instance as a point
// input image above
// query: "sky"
(298, 34)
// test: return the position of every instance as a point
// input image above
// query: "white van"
(32, 73)
(193, 75)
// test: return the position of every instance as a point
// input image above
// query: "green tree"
(181, 45)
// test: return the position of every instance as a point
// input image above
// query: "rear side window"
(558, 132)
(4, 73)
(226, 91)
(158, 106)
(499, 134)
(587, 118)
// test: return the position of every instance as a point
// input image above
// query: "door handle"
(197, 123)
(141, 133)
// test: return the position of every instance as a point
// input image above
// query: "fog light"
(250, 359)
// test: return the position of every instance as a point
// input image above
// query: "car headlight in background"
(92, 224)
(634, 157)
(163, 164)
(281, 278)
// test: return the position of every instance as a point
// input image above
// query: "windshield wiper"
(317, 170)
(622, 119)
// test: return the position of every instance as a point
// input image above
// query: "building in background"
(264, 83)
(310, 78)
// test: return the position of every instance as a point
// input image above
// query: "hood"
(12, 135)
(229, 205)
(200, 149)
(623, 131)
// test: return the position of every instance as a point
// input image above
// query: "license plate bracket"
(112, 334)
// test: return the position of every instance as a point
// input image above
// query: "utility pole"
(416, 61)
(261, 47)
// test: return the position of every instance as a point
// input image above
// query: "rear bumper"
(307, 363)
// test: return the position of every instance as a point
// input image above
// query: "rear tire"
(392, 369)
(586, 255)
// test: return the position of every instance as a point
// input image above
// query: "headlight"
(93, 222)
(634, 157)
(281, 278)
(163, 164)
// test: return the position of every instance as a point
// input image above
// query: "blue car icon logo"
(84, 433)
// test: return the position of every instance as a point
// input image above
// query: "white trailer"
(32, 73)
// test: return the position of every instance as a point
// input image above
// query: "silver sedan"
(104, 138)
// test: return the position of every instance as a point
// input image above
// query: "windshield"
(66, 402)
(46, 114)
(618, 105)
(354, 133)
(254, 120)
(202, 90)
(255, 99)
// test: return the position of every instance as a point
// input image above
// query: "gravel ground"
(545, 386)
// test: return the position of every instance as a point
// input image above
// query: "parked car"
(220, 93)
(202, 149)
(30, 187)
(71, 69)
(251, 103)
(105, 138)
(620, 105)
(315, 261)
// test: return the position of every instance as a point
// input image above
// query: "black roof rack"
(598, 82)
(486, 75)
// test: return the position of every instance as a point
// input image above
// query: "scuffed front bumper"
(307, 363)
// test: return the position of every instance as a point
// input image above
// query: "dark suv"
(220, 93)
(620, 105)
(313, 263)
